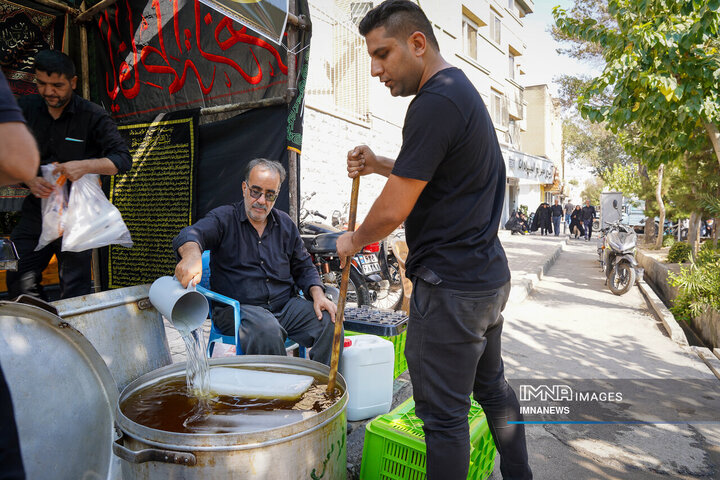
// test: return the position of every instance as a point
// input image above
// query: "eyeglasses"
(256, 193)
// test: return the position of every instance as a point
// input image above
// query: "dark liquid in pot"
(167, 405)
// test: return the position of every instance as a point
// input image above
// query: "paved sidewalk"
(529, 256)
(573, 327)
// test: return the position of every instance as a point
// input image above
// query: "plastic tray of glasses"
(386, 323)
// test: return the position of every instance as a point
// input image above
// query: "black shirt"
(10, 457)
(254, 270)
(588, 212)
(84, 130)
(450, 142)
(9, 110)
(556, 210)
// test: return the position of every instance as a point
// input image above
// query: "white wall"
(326, 141)
(529, 194)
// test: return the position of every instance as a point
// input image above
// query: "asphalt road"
(573, 331)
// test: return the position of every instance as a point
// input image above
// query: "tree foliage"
(625, 179)
(579, 48)
(592, 190)
(662, 69)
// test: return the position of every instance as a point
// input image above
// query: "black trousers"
(73, 268)
(11, 466)
(453, 350)
(263, 332)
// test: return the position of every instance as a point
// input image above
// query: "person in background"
(524, 223)
(569, 207)
(556, 211)
(19, 160)
(588, 215)
(82, 138)
(448, 185)
(544, 219)
(515, 223)
(576, 222)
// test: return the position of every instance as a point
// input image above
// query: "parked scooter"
(617, 257)
(371, 271)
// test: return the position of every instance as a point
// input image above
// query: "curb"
(522, 287)
(712, 362)
(662, 313)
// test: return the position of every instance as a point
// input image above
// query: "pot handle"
(152, 455)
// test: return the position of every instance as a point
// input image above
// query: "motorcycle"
(617, 257)
(372, 271)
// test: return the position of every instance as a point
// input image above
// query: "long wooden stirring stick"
(343, 291)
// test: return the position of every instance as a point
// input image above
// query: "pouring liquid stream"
(197, 376)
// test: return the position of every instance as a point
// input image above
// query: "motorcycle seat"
(322, 243)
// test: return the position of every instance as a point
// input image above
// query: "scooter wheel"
(621, 279)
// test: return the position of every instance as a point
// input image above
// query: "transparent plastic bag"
(91, 220)
(54, 207)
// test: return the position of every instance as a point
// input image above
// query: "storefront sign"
(530, 167)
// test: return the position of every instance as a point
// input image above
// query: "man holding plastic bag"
(78, 141)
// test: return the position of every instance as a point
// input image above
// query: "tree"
(592, 190)
(584, 141)
(576, 47)
(663, 69)
(625, 179)
(662, 75)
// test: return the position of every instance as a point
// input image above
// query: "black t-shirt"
(9, 110)
(556, 210)
(450, 142)
(83, 130)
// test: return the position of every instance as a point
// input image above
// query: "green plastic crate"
(398, 342)
(394, 446)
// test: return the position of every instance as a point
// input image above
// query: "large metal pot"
(312, 448)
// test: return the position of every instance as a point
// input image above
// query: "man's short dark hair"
(266, 165)
(401, 18)
(54, 61)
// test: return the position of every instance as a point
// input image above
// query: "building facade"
(345, 106)
(543, 140)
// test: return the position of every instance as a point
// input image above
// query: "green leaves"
(662, 67)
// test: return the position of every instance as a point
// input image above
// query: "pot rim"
(230, 441)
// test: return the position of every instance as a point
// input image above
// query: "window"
(511, 5)
(470, 30)
(514, 134)
(342, 85)
(358, 11)
(495, 28)
(498, 109)
(511, 66)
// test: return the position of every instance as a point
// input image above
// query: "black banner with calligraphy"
(166, 55)
(155, 198)
(24, 31)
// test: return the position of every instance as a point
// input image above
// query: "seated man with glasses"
(258, 258)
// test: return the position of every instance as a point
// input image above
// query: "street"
(572, 327)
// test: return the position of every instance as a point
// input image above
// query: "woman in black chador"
(542, 219)
(576, 223)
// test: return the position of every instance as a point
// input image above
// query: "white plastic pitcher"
(185, 308)
(367, 365)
